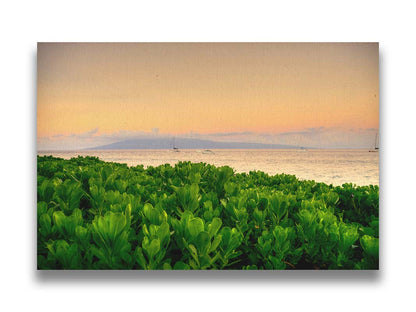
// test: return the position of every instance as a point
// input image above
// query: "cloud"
(70, 141)
(332, 137)
(307, 132)
(294, 133)
(87, 134)
(225, 134)
(91, 138)
(124, 135)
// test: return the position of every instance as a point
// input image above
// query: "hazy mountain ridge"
(185, 143)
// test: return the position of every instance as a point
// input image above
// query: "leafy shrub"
(99, 215)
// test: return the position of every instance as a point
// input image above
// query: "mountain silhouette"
(185, 143)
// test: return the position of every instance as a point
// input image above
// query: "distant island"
(185, 143)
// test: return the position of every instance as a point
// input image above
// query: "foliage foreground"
(99, 215)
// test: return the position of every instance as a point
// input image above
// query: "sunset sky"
(309, 94)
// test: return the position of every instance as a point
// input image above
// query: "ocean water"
(332, 166)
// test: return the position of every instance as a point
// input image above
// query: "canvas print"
(208, 156)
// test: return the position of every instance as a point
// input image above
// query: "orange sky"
(206, 87)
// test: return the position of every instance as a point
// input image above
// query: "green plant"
(97, 215)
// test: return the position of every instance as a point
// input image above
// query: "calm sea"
(334, 166)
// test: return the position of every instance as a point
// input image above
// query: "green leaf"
(215, 243)
(45, 224)
(140, 257)
(166, 266)
(181, 266)
(163, 233)
(195, 226)
(42, 208)
(203, 243)
(193, 249)
(153, 248)
(370, 245)
(214, 226)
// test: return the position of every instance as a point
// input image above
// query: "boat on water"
(175, 149)
(301, 149)
(376, 143)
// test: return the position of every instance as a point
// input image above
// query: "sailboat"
(175, 149)
(376, 147)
